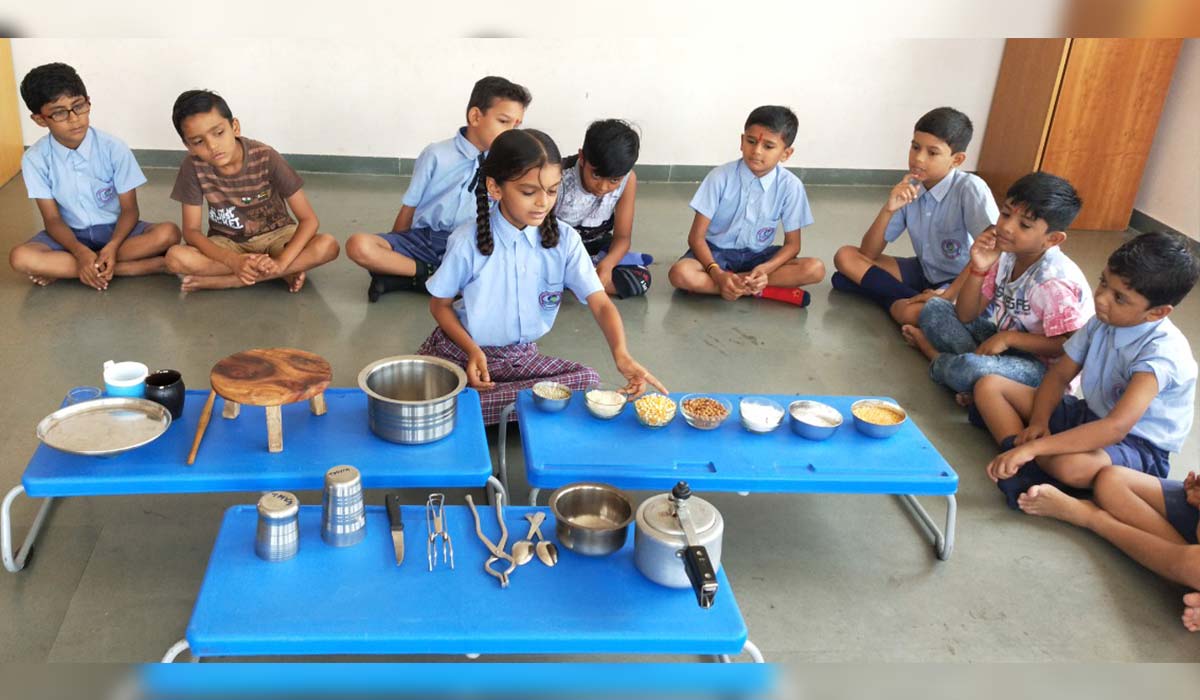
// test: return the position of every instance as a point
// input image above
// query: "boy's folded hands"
(755, 280)
(251, 267)
(732, 285)
(1033, 432)
(89, 274)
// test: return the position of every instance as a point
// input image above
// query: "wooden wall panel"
(1104, 122)
(11, 142)
(1022, 106)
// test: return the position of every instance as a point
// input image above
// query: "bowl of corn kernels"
(705, 412)
(654, 410)
(878, 418)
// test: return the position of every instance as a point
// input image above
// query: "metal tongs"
(497, 550)
(435, 524)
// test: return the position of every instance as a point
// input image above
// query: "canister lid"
(342, 478)
(657, 516)
(278, 505)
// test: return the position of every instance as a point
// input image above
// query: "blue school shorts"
(913, 275)
(94, 237)
(738, 259)
(422, 244)
(1134, 452)
(1183, 516)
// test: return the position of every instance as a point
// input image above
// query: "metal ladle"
(547, 552)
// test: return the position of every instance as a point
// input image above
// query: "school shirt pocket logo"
(951, 248)
(552, 289)
(765, 234)
(105, 194)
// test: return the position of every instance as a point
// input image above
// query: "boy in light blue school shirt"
(942, 224)
(941, 207)
(1139, 381)
(498, 308)
(738, 208)
(442, 195)
(84, 182)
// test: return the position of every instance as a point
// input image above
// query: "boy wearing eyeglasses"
(84, 182)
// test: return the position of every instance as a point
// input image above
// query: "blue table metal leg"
(16, 563)
(496, 487)
(750, 648)
(943, 543)
(502, 431)
(176, 649)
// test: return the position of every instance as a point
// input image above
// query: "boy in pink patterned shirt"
(1020, 297)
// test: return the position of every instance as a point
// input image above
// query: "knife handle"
(393, 510)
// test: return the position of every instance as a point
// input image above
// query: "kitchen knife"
(393, 510)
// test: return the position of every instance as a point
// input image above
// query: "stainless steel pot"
(677, 542)
(412, 399)
(591, 518)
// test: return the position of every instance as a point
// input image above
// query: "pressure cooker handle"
(700, 572)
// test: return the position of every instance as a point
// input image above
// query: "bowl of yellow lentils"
(878, 418)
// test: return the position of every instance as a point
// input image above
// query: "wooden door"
(1104, 122)
(1022, 106)
(11, 141)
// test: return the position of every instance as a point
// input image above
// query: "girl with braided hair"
(502, 281)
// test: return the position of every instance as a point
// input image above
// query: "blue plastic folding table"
(355, 600)
(572, 445)
(234, 457)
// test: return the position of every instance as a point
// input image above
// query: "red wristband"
(977, 273)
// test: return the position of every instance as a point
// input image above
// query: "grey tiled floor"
(817, 577)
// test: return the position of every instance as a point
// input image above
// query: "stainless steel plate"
(104, 426)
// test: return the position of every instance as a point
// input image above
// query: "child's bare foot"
(915, 337)
(295, 282)
(964, 399)
(42, 281)
(195, 283)
(1046, 500)
(1191, 612)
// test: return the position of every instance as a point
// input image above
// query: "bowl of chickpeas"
(654, 410)
(705, 412)
(878, 418)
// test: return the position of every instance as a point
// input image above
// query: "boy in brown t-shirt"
(248, 187)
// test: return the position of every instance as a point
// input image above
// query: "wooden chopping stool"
(271, 377)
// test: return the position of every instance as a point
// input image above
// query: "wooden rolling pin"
(205, 415)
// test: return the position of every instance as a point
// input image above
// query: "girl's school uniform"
(508, 300)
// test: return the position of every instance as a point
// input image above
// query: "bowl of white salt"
(760, 414)
(814, 420)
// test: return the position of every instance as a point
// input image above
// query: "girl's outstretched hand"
(477, 371)
(637, 377)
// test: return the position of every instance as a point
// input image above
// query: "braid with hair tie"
(483, 222)
(549, 230)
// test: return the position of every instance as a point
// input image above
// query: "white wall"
(856, 98)
(1170, 190)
